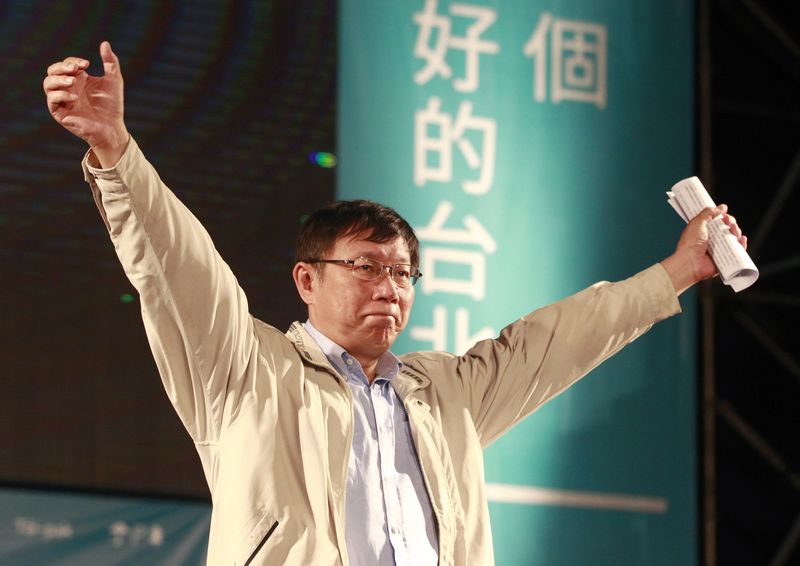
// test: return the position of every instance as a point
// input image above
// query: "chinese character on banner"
(156, 537)
(123, 534)
(472, 233)
(578, 54)
(470, 264)
(433, 151)
(119, 532)
(46, 530)
(474, 285)
(471, 44)
(437, 333)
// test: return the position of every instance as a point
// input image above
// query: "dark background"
(754, 152)
(228, 99)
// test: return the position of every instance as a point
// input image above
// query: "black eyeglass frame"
(413, 271)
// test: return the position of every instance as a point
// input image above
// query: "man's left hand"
(691, 263)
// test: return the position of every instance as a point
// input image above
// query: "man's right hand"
(90, 107)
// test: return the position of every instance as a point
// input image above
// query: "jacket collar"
(409, 380)
(404, 382)
(308, 349)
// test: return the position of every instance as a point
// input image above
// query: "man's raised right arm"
(194, 311)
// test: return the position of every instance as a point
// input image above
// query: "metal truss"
(748, 338)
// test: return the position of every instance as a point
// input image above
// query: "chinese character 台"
(474, 285)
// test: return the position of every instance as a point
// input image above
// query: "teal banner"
(530, 145)
(61, 529)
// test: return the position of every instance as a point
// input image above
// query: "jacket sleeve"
(543, 353)
(195, 314)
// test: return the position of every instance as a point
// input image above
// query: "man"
(319, 445)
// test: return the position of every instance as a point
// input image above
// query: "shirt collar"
(389, 365)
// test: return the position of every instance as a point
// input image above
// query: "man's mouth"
(381, 315)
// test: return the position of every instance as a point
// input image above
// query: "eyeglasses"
(403, 274)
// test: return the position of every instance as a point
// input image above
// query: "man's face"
(364, 317)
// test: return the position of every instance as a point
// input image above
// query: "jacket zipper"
(260, 544)
(438, 511)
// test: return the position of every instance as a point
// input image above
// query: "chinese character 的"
(433, 151)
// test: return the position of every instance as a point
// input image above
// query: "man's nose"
(385, 286)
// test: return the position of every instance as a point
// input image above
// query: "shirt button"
(349, 362)
(395, 531)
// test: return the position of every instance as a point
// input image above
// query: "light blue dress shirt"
(388, 515)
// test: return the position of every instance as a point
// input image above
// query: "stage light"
(323, 159)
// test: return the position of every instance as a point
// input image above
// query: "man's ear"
(305, 279)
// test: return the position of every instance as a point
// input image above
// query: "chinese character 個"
(578, 56)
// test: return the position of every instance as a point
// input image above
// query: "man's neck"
(369, 363)
(370, 367)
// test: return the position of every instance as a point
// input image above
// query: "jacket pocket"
(260, 542)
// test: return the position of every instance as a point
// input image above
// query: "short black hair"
(378, 223)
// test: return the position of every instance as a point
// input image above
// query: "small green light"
(126, 298)
(323, 159)
(303, 218)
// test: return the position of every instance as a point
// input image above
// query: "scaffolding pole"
(708, 408)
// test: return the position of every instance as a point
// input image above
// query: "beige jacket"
(272, 420)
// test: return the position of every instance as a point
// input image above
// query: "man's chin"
(383, 335)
